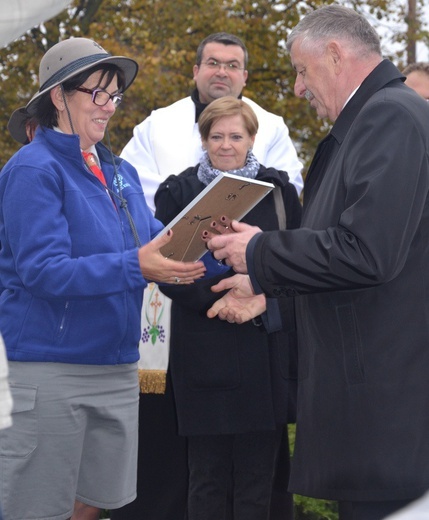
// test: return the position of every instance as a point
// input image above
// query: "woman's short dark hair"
(46, 112)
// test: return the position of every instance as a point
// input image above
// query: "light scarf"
(206, 173)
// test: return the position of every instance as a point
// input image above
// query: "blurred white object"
(5, 397)
(18, 16)
(418, 510)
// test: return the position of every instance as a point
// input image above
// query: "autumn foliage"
(162, 35)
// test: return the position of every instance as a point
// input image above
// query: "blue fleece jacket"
(68, 259)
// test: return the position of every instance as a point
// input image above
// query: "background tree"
(163, 36)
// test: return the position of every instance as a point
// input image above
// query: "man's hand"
(240, 303)
(231, 246)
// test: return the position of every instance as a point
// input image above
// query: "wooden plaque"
(227, 195)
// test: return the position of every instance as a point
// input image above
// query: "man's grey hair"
(338, 22)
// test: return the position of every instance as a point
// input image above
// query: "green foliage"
(307, 508)
(311, 509)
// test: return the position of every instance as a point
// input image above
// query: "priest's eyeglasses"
(230, 66)
(100, 97)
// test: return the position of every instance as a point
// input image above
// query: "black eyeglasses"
(100, 97)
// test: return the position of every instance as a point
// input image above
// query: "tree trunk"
(412, 23)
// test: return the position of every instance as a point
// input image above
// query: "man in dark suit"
(358, 268)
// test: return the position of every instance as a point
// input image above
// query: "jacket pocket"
(351, 343)
(20, 439)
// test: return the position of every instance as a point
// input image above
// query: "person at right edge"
(358, 269)
(231, 383)
(418, 78)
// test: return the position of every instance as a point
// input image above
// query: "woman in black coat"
(232, 383)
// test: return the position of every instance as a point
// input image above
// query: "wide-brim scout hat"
(16, 125)
(71, 57)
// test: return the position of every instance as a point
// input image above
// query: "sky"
(422, 49)
(387, 31)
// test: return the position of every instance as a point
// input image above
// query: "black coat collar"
(380, 77)
(383, 75)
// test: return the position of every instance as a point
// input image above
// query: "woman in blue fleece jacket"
(75, 255)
